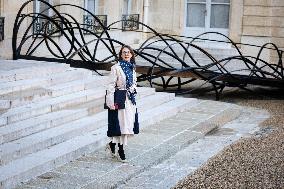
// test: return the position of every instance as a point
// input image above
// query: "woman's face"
(126, 54)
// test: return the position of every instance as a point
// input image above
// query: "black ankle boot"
(112, 147)
(121, 153)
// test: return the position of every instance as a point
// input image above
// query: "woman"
(122, 123)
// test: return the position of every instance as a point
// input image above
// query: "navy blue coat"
(113, 124)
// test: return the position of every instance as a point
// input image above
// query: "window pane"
(220, 1)
(91, 6)
(219, 16)
(195, 15)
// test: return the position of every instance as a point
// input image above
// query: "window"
(42, 25)
(220, 10)
(96, 7)
(129, 18)
(196, 13)
(208, 13)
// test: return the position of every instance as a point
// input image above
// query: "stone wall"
(9, 10)
(263, 22)
(166, 16)
(236, 14)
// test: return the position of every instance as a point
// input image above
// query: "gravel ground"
(256, 162)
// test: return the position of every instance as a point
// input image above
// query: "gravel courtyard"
(256, 162)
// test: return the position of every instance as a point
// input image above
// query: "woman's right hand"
(112, 107)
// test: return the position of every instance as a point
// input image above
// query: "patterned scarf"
(127, 68)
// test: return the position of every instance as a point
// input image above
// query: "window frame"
(39, 25)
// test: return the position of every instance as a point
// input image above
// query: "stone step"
(27, 127)
(33, 125)
(54, 104)
(68, 88)
(99, 81)
(22, 97)
(13, 70)
(9, 87)
(155, 100)
(42, 161)
(69, 75)
(44, 139)
(32, 95)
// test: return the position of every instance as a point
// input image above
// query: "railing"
(43, 26)
(91, 24)
(130, 22)
(2, 28)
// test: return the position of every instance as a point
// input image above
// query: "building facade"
(244, 21)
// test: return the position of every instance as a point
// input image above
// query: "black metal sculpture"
(164, 60)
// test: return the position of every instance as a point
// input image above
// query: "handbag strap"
(105, 95)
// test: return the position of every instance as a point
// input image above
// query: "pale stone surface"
(278, 32)
(27, 69)
(29, 126)
(257, 21)
(279, 41)
(9, 87)
(236, 21)
(169, 172)
(264, 2)
(257, 31)
(153, 145)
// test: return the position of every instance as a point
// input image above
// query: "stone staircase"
(51, 114)
(53, 131)
(162, 154)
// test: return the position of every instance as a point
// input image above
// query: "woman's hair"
(132, 60)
